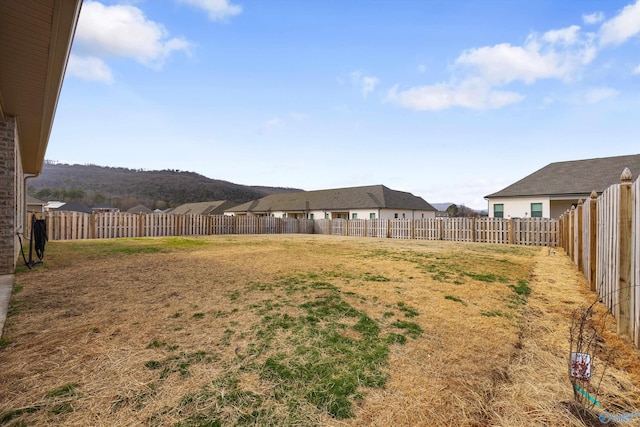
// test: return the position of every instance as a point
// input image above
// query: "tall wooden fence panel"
(400, 228)
(378, 228)
(247, 224)
(493, 230)
(602, 236)
(221, 224)
(339, 227)
(75, 225)
(427, 229)
(635, 256)
(357, 227)
(322, 226)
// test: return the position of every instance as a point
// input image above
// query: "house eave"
(36, 36)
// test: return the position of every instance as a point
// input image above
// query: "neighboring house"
(550, 191)
(370, 202)
(35, 205)
(52, 205)
(104, 207)
(74, 207)
(216, 207)
(140, 209)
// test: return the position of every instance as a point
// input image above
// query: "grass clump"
(495, 313)
(522, 288)
(408, 311)
(486, 277)
(66, 390)
(413, 329)
(453, 298)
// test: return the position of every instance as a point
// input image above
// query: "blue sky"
(449, 100)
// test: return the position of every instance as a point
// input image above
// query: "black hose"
(39, 236)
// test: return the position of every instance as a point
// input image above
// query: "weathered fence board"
(75, 225)
(602, 237)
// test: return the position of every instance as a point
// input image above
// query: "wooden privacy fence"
(602, 237)
(62, 225)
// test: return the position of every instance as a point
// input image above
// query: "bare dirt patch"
(264, 330)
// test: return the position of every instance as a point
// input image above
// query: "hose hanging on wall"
(37, 241)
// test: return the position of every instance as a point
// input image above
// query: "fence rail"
(75, 225)
(601, 235)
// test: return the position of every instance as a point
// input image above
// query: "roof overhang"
(35, 42)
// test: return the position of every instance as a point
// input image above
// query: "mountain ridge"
(124, 188)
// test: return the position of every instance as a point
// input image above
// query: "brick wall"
(11, 195)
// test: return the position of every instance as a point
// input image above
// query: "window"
(395, 215)
(536, 210)
(326, 216)
(498, 210)
(372, 215)
(422, 215)
(311, 216)
(354, 216)
(402, 215)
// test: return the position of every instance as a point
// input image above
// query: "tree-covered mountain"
(125, 188)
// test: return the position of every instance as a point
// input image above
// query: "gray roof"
(577, 177)
(215, 207)
(74, 207)
(368, 197)
(34, 201)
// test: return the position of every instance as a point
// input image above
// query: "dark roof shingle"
(575, 177)
(367, 197)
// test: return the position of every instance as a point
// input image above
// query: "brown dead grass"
(88, 319)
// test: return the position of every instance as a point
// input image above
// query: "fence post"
(473, 229)
(593, 238)
(624, 255)
(580, 226)
(510, 232)
(440, 228)
(572, 226)
(388, 228)
(141, 224)
(92, 226)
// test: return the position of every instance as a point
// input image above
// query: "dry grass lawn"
(300, 330)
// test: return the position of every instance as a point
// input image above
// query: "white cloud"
(218, 10)
(557, 54)
(567, 35)
(636, 70)
(123, 30)
(593, 96)
(366, 84)
(89, 68)
(469, 94)
(622, 27)
(481, 72)
(593, 18)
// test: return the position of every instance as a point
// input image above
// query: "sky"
(449, 100)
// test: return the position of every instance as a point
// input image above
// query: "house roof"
(35, 201)
(35, 41)
(140, 209)
(215, 207)
(573, 178)
(74, 207)
(368, 197)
